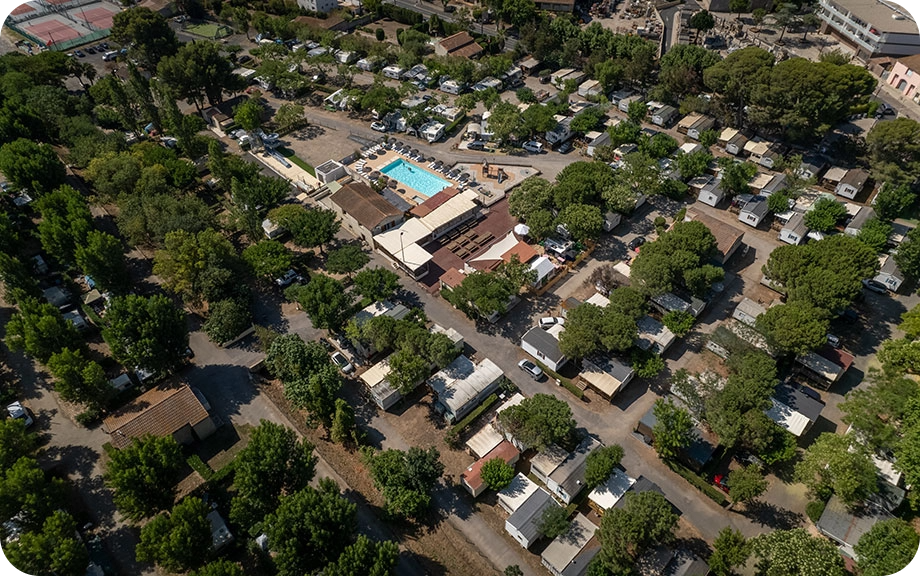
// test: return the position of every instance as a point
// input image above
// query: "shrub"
(678, 322)
(380, 34)
(814, 510)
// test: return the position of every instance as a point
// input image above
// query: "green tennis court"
(208, 30)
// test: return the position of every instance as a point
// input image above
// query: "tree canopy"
(797, 327)
(601, 463)
(626, 532)
(886, 548)
(796, 553)
(497, 474)
(149, 333)
(325, 301)
(836, 464)
(143, 475)
(673, 259)
(406, 478)
(539, 421)
(180, 540)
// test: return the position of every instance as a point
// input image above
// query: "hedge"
(705, 487)
(468, 419)
(565, 382)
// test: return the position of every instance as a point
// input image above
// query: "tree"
(66, 222)
(536, 120)
(735, 77)
(197, 266)
(310, 529)
(248, 114)
(513, 570)
(908, 255)
(324, 300)
(31, 166)
(343, 422)
(746, 484)
(376, 283)
(148, 34)
(673, 429)
(666, 262)
(505, 120)
(601, 463)
(347, 259)
(407, 370)
(272, 464)
(637, 112)
(894, 155)
(148, 333)
(40, 331)
(405, 478)
(497, 474)
(252, 197)
(693, 165)
(289, 116)
(143, 475)
(198, 72)
(56, 549)
(736, 175)
(837, 464)
(874, 234)
(582, 221)
(365, 557)
(886, 548)
(730, 549)
(778, 202)
(15, 442)
(28, 494)
(739, 6)
(102, 258)
(310, 228)
(176, 541)
(758, 16)
(824, 215)
(219, 568)
(227, 319)
(538, 421)
(554, 522)
(316, 393)
(78, 379)
(702, 21)
(290, 358)
(796, 327)
(268, 258)
(646, 519)
(678, 321)
(796, 553)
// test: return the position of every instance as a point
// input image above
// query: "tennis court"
(212, 31)
(98, 16)
(54, 28)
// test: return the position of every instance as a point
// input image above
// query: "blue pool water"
(415, 178)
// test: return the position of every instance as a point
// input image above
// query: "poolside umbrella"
(439, 163)
(402, 191)
(430, 159)
(392, 183)
(415, 152)
(454, 172)
(464, 177)
(375, 175)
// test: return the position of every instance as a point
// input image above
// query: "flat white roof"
(788, 418)
(544, 266)
(565, 547)
(821, 365)
(496, 250)
(462, 381)
(608, 378)
(376, 373)
(482, 442)
(513, 401)
(517, 492)
(609, 493)
(598, 300)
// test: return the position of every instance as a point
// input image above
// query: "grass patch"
(468, 419)
(701, 484)
(212, 31)
(296, 160)
(198, 465)
(566, 383)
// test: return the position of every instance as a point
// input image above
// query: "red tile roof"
(161, 411)
(837, 356)
(369, 208)
(452, 278)
(473, 475)
(524, 251)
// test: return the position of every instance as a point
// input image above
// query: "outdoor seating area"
(465, 241)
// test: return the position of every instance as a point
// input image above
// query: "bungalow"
(393, 72)
(694, 124)
(702, 444)
(852, 183)
(56, 296)
(664, 116)
(382, 393)
(766, 154)
(463, 385)
(449, 113)
(544, 346)
(472, 480)
(330, 171)
(563, 472)
(606, 375)
(832, 178)
(221, 536)
(625, 102)
(624, 150)
(759, 182)
(561, 556)
(711, 193)
(794, 410)
(846, 526)
(523, 522)
(689, 148)
(346, 56)
(180, 412)
(857, 222)
(811, 167)
(753, 211)
(590, 88)
(364, 212)
(670, 302)
(605, 496)
(488, 83)
(663, 560)
(794, 230)
(595, 140)
(556, 5)
(369, 64)
(825, 366)
(561, 77)
(728, 238)
(561, 132)
(515, 494)
(459, 45)
(653, 335)
(747, 311)
(76, 320)
(451, 87)
(889, 274)
(776, 184)
(733, 141)
(432, 131)
(382, 308)
(617, 96)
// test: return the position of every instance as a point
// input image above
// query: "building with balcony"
(871, 27)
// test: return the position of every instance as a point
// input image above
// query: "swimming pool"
(414, 177)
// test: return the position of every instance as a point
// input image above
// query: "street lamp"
(402, 250)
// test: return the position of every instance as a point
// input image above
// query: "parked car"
(636, 243)
(532, 369)
(875, 286)
(533, 147)
(833, 340)
(548, 321)
(79, 54)
(287, 278)
(476, 145)
(90, 50)
(342, 362)
(104, 45)
(850, 316)
(379, 126)
(565, 147)
(19, 412)
(721, 482)
(244, 58)
(749, 459)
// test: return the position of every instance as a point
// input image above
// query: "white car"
(379, 126)
(342, 362)
(19, 412)
(532, 369)
(287, 278)
(548, 321)
(834, 341)
(533, 147)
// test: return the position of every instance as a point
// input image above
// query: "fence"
(64, 44)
